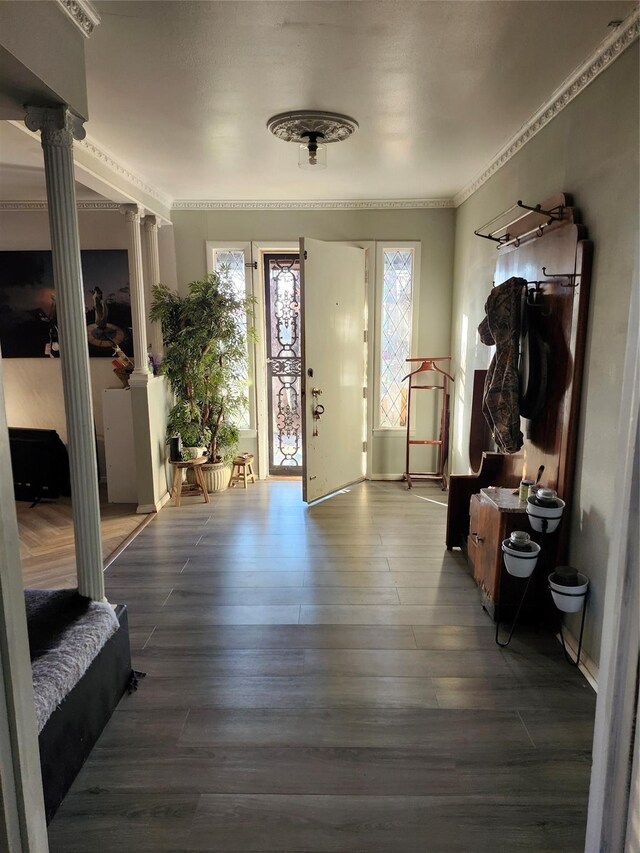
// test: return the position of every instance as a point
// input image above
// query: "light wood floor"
(324, 680)
(47, 550)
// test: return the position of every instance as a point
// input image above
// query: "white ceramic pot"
(518, 563)
(539, 514)
(217, 476)
(195, 452)
(569, 599)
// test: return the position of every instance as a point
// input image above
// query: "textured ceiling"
(180, 92)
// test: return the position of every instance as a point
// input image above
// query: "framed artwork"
(28, 317)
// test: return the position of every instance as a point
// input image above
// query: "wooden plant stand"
(199, 486)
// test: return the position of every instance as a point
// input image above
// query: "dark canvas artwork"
(28, 319)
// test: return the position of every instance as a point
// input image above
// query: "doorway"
(283, 321)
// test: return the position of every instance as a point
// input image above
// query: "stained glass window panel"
(231, 262)
(395, 343)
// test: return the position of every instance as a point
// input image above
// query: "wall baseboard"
(156, 507)
(385, 477)
(588, 667)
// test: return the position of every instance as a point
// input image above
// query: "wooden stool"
(242, 468)
(200, 486)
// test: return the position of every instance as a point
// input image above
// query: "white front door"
(333, 298)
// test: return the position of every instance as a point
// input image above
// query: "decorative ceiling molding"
(99, 153)
(42, 205)
(368, 204)
(610, 49)
(82, 13)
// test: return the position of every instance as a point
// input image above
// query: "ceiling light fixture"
(312, 130)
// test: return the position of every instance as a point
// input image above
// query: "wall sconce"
(312, 130)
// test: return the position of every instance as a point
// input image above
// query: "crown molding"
(42, 205)
(610, 49)
(95, 150)
(310, 204)
(82, 13)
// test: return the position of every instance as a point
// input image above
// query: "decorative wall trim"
(42, 205)
(365, 204)
(95, 150)
(82, 13)
(610, 49)
(588, 667)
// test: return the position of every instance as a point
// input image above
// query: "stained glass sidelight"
(231, 261)
(395, 344)
(284, 362)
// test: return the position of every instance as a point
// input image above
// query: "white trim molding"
(587, 666)
(610, 49)
(42, 205)
(108, 159)
(311, 204)
(82, 13)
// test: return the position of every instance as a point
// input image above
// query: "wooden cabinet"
(493, 516)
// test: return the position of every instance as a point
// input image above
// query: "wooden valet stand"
(442, 442)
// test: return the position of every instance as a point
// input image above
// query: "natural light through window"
(395, 330)
(231, 262)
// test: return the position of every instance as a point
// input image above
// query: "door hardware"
(316, 392)
(316, 412)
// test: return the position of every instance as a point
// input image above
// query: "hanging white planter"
(520, 554)
(569, 599)
(545, 508)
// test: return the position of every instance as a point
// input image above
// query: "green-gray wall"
(434, 228)
(589, 150)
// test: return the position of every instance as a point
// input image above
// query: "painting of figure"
(28, 310)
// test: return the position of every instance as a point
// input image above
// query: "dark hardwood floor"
(324, 680)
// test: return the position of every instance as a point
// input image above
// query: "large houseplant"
(205, 337)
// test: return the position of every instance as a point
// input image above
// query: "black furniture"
(72, 730)
(40, 464)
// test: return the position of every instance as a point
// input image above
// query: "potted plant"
(205, 336)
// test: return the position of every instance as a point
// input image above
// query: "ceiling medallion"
(312, 130)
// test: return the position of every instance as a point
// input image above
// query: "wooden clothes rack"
(428, 365)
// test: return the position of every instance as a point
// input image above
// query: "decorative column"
(140, 375)
(152, 277)
(58, 128)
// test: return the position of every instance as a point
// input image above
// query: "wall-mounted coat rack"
(505, 229)
(555, 268)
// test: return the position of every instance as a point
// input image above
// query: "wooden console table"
(493, 514)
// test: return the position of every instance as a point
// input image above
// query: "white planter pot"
(195, 452)
(569, 599)
(539, 514)
(217, 476)
(520, 564)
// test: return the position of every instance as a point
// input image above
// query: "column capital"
(132, 212)
(151, 222)
(58, 126)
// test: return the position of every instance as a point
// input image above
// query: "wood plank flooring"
(47, 550)
(324, 680)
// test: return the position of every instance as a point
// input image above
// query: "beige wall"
(433, 228)
(590, 151)
(33, 386)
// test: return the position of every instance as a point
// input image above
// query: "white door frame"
(612, 808)
(22, 819)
